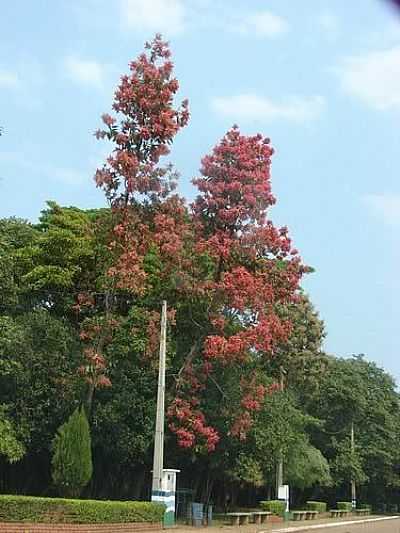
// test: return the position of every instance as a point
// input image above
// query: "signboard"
(283, 494)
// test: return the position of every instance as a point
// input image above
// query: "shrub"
(276, 507)
(72, 455)
(316, 506)
(365, 506)
(344, 506)
(59, 510)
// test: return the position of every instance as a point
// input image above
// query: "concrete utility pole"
(279, 466)
(158, 458)
(353, 483)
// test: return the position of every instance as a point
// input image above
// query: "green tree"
(299, 360)
(10, 446)
(72, 455)
(306, 466)
(357, 392)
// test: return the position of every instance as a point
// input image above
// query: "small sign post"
(283, 494)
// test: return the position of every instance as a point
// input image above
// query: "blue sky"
(321, 78)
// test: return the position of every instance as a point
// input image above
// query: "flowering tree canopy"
(254, 268)
(222, 258)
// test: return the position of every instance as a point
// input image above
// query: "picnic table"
(304, 515)
(299, 515)
(260, 517)
(338, 513)
(361, 512)
(238, 519)
(241, 518)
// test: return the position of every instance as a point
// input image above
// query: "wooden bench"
(299, 515)
(311, 515)
(260, 517)
(238, 519)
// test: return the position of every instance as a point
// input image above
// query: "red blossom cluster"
(255, 266)
(253, 395)
(95, 333)
(153, 331)
(94, 371)
(235, 187)
(144, 100)
(189, 425)
(145, 125)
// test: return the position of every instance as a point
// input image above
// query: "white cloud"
(384, 206)
(153, 15)
(253, 107)
(373, 77)
(84, 71)
(8, 79)
(262, 24)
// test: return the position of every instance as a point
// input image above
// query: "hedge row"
(365, 506)
(344, 506)
(276, 507)
(51, 510)
(316, 506)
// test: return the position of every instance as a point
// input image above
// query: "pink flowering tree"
(252, 268)
(148, 222)
(142, 130)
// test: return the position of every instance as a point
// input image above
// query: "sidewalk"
(371, 524)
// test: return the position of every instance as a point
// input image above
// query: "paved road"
(376, 526)
(367, 525)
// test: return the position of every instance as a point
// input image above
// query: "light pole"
(279, 466)
(163, 486)
(353, 483)
(158, 457)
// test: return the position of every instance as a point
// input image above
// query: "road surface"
(360, 526)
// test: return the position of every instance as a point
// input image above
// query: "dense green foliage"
(48, 264)
(72, 466)
(276, 507)
(316, 506)
(57, 510)
(344, 506)
(10, 447)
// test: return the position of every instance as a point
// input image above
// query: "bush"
(59, 510)
(72, 458)
(344, 506)
(316, 506)
(365, 506)
(276, 507)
